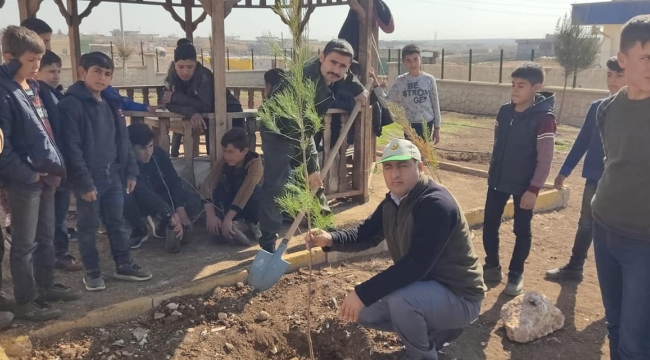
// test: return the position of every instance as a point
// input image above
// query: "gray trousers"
(32, 227)
(584, 234)
(418, 314)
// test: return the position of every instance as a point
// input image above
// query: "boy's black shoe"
(132, 272)
(68, 262)
(37, 310)
(59, 292)
(138, 236)
(565, 272)
(492, 274)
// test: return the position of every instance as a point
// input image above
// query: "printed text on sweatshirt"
(418, 96)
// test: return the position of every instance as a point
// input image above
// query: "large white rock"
(530, 316)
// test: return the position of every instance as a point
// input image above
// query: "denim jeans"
(417, 313)
(623, 265)
(584, 234)
(32, 228)
(61, 207)
(494, 206)
(108, 207)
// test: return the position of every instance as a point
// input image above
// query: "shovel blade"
(266, 270)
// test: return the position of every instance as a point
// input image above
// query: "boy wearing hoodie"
(31, 167)
(101, 165)
(524, 142)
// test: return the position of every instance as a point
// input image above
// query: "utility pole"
(122, 25)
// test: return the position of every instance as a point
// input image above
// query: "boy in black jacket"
(100, 166)
(192, 93)
(159, 191)
(524, 142)
(49, 77)
(31, 168)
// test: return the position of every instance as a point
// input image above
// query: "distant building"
(611, 16)
(542, 47)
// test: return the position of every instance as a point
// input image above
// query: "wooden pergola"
(218, 10)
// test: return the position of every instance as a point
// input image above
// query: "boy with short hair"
(524, 142)
(588, 141)
(101, 165)
(417, 92)
(159, 191)
(41, 28)
(621, 206)
(31, 167)
(233, 189)
(192, 93)
(49, 76)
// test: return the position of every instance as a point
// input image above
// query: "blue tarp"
(611, 12)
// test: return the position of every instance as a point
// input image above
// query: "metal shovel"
(267, 268)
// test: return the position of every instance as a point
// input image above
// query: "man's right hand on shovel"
(318, 238)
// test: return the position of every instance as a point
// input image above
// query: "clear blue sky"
(414, 19)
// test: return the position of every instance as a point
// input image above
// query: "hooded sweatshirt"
(524, 143)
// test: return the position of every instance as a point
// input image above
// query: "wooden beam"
(170, 9)
(220, 123)
(28, 8)
(74, 36)
(366, 62)
(187, 24)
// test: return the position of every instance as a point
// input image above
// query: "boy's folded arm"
(12, 165)
(78, 171)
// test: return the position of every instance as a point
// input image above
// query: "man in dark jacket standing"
(588, 141)
(435, 287)
(192, 93)
(330, 72)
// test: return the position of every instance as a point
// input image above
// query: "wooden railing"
(145, 94)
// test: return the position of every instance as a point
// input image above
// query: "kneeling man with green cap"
(435, 286)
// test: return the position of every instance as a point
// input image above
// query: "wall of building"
(594, 78)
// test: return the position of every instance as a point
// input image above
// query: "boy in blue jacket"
(589, 142)
(31, 168)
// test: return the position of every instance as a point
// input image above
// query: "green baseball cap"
(400, 150)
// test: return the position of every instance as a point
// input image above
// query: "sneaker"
(138, 236)
(255, 229)
(37, 310)
(132, 272)
(565, 272)
(59, 292)
(94, 282)
(6, 318)
(68, 263)
(492, 274)
(7, 302)
(515, 285)
(157, 230)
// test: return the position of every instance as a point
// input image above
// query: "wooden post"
(218, 123)
(73, 35)
(189, 26)
(23, 9)
(367, 30)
